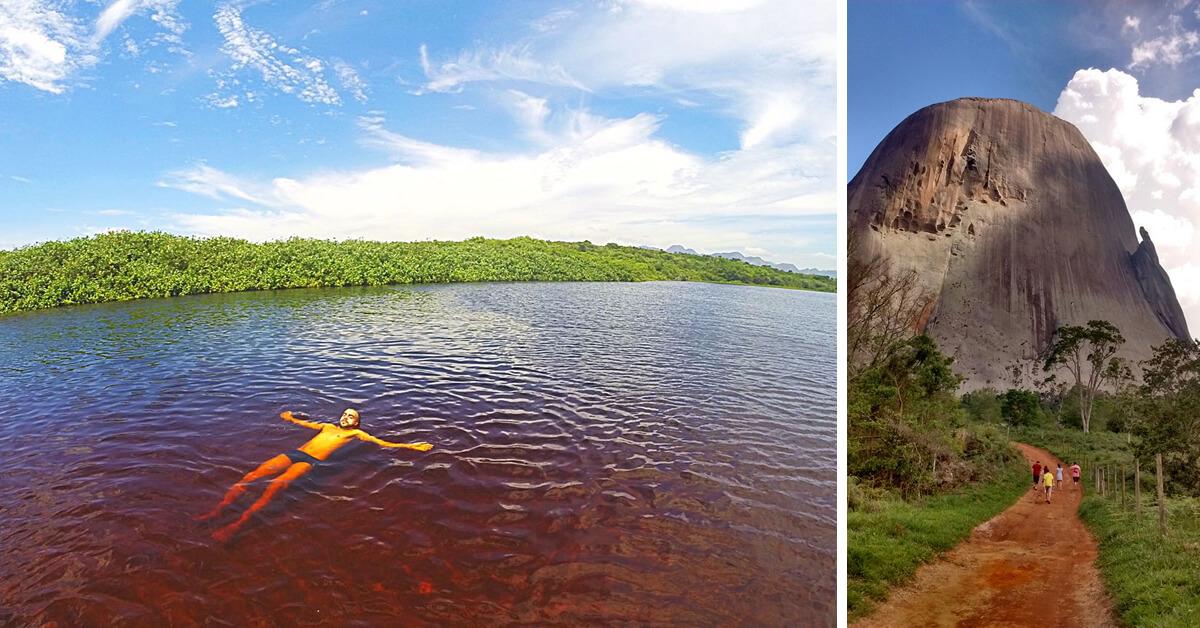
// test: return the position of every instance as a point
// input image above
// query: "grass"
(888, 539)
(131, 265)
(1072, 445)
(1153, 580)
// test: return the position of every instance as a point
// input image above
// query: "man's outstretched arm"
(288, 416)
(383, 443)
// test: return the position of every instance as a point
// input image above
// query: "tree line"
(126, 265)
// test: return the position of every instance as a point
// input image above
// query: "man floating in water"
(296, 463)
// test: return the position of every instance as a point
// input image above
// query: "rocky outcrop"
(1015, 227)
(1157, 287)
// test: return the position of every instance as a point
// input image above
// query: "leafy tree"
(1020, 407)
(983, 405)
(1169, 421)
(901, 416)
(1076, 348)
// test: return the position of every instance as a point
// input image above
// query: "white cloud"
(512, 63)
(207, 181)
(711, 6)
(768, 65)
(1132, 24)
(164, 13)
(1176, 45)
(281, 67)
(597, 178)
(1152, 149)
(350, 80)
(530, 112)
(771, 62)
(1167, 231)
(40, 45)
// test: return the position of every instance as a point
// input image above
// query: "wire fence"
(1123, 484)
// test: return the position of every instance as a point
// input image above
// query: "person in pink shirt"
(1075, 475)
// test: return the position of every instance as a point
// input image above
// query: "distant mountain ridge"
(756, 261)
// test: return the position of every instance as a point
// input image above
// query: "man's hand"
(288, 415)
(383, 443)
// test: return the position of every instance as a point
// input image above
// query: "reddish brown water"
(655, 453)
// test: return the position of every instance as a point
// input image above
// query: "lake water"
(657, 453)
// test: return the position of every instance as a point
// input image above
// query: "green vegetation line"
(135, 265)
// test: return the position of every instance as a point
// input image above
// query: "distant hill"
(757, 261)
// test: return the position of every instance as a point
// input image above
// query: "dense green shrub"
(1020, 407)
(131, 265)
(982, 405)
(909, 434)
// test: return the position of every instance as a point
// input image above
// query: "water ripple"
(649, 453)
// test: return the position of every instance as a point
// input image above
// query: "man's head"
(349, 419)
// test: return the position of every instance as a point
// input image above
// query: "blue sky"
(649, 122)
(1126, 73)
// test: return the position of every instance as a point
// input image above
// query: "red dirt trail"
(1032, 565)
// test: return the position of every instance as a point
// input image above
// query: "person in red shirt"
(1075, 476)
(1037, 473)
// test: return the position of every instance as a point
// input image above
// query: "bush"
(982, 405)
(1020, 407)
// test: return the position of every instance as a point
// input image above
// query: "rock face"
(1015, 228)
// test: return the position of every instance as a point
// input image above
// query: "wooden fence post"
(1137, 486)
(1162, 502)
(1122, 487)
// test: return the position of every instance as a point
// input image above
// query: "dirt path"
(1032, 565)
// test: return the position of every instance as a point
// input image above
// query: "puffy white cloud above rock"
(1152, 149)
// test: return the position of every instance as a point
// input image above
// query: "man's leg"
(276, 485)
(268, 468)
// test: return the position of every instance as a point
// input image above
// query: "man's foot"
(224, 534)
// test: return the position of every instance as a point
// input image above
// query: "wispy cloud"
(281, 67)
(40, 45)
(1175, 46)
(771, 61)
(165, 13)
(510, 63)
(350, 80)
(207, 181)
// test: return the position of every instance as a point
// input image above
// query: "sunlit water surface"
(656, 453)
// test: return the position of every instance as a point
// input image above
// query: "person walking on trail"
(1048, 483)
(1037, 473)
(1075, 476)
(1058, 477)
(293, 464)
